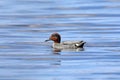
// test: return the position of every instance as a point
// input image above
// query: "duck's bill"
(47, 40)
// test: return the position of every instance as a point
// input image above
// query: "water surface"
(25, 24)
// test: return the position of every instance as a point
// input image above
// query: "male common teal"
(66, 44)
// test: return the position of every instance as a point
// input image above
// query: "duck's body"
(66, 44)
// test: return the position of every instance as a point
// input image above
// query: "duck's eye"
(54, 36)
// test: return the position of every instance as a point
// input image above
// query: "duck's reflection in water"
(57, 53)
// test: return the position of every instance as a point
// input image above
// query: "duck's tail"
(80, 44)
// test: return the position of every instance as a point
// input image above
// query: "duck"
(57, 44)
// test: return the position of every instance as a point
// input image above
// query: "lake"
(26, 24)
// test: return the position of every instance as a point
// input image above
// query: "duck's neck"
(57, 41)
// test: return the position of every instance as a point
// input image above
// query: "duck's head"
(55, 37)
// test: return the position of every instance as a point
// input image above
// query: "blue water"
(26, 24)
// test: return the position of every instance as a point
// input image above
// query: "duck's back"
(71, 42)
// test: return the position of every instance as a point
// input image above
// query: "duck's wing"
(77, 44)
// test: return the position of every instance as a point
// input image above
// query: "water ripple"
(26, 24)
